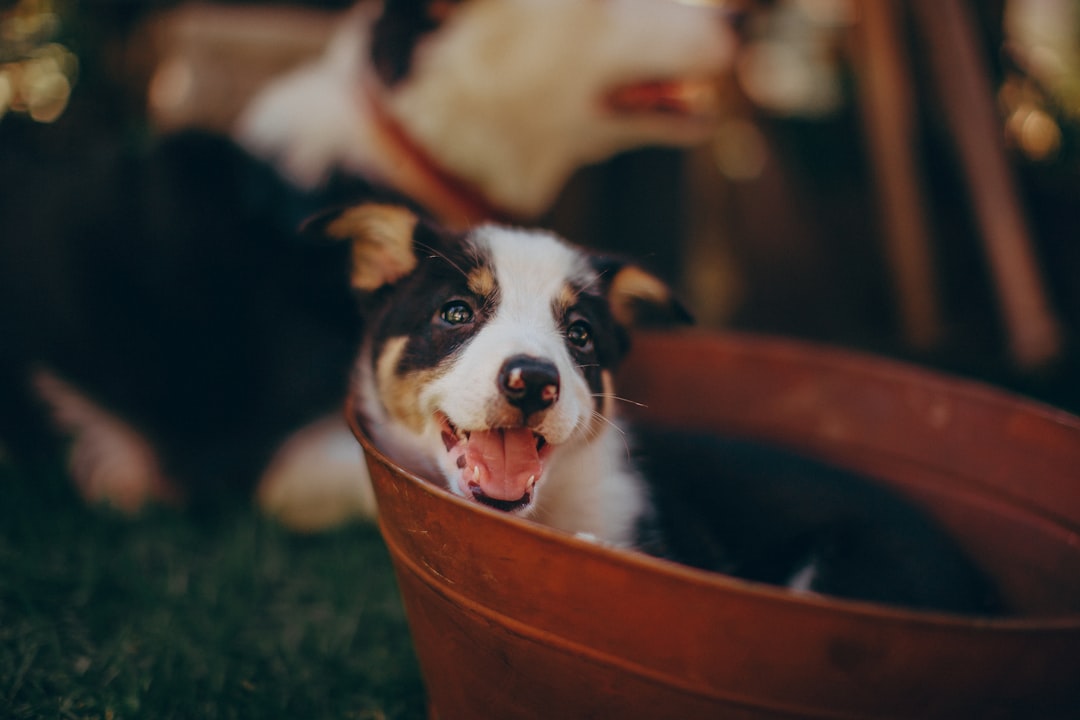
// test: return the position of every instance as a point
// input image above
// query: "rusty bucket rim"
(871, 364)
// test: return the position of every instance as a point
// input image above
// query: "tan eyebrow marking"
(566, 299)
(481, 281)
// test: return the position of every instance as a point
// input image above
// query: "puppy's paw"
(317, 479)
(109, 461)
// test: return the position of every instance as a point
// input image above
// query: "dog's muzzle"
(500, 466)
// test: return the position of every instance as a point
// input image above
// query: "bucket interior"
(1002, 475)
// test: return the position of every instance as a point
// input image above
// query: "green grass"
(174, 616)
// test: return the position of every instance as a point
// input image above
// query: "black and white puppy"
(487, 363)
(487, 366)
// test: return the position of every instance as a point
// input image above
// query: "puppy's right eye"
(456, 312)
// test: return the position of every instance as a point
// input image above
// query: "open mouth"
(499, 466)
(692, 99)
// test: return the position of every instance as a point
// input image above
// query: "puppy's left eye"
(456, 312)
(579, 333)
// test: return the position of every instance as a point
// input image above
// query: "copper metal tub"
(512, 620)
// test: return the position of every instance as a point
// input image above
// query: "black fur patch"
(169, 286)
(761, 513)
(413, 308)
(398, 30)
(608, 341)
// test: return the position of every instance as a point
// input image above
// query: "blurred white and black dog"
(484, 108)
(158, 306)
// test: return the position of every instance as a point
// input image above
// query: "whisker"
(610, 422)
(622, 433)
(595, 280)
(436, 254)
(610, 396)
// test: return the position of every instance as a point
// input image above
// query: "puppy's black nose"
(529, 383)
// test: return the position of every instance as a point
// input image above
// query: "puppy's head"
(487, 353)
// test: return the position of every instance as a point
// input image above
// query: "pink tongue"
(503, 463)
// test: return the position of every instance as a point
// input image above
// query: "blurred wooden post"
(710, 278)
(963, 85)
(888, 107)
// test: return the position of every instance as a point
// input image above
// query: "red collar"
(454, 200)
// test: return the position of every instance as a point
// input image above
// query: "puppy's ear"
(638, 298)
(382, 241)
